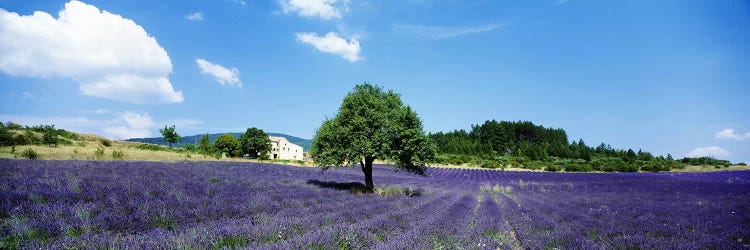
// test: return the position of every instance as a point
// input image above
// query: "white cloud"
(225, 76)
(26, 95)
(197, 16)
(325, 9)
(713, 151)
(441, 32)
(729, 134)
(136, 125)
(110, 56)
(334, 44)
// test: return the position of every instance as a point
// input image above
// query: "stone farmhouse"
(282, 149)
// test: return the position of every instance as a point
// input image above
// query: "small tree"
(170, 135)
(6, 137)
(227, 143)
(50, 138)
(255, 142)
(205, 144)
(371, 124)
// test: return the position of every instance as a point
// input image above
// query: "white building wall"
(282, 149)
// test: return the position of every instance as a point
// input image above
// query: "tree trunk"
(367, 169)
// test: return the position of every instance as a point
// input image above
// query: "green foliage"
(742, 164)
(552, 168)
(99, 153)
(170, 135)
(50, 137)
(189, 147)
(227, 143)
(255, 142)
(6, 137)
(230, 242)
(205, 144)
(30, 154)
(705, 161)
(373, 123)
(118, 154)
(151, 147)
(106, 142)
(29, 138)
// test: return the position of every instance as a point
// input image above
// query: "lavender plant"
(130, 204)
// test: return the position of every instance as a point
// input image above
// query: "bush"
(742, 164)
(6, 137)
(106, 143)
(491, 164)
(30, 153)
(189, 147)
(152, 147)
(552, 168)
(578, 167)
(99, 153)
(117, 154)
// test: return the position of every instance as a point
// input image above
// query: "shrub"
(742, 164)
(578, 167)
(152, 147)
(30, 153)
(106, 143)
(31, 138)
(117, 154)
(552, 168)
(50, 138)
(6, 137)
(491, 164)
(99, 153)
(189, 147)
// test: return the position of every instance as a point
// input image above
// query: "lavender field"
(89, 204)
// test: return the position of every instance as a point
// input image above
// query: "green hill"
(194, 139)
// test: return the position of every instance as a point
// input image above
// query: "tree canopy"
(255, 142)
(373, 124)
(227, 143)
(170, 135)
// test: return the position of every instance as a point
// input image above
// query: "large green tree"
(229, 144)
(255, 142)
(373, 124)
(170, 135)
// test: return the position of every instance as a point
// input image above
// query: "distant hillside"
(195, 139)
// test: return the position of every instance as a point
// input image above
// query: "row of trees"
(524, 144)
(254, 143)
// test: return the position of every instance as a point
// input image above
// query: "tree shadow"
(354, 187)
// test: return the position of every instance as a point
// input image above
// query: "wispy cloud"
(713, 151)
(197, 16)
(223, 75)
(444, 32)
(332, 43)
(729, 134)
(324, 9)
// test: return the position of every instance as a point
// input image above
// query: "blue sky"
(664, 76)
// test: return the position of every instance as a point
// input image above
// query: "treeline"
(12, 134)
(523, 144)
